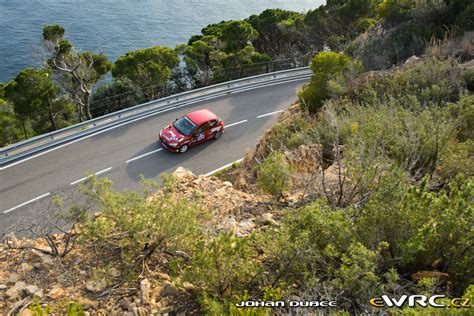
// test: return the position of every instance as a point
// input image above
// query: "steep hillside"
(363, 189)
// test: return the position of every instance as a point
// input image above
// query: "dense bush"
(273, 175)
(115, 96)
(404, 200)
(222, 268)
(325, 66)
(134, 227)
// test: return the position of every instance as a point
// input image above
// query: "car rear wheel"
(183, 149)
(217, 135)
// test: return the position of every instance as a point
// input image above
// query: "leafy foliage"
(115, 96)
(149, 69)
(36, 99)
(274, 175)
(135, 227)
(325, 66)
(79, 71)
(221, 268)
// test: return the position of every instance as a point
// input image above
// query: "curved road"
(126, 152)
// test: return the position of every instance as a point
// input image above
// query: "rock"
(127, 305)
(267, 219)
(26, 312)
(304, 159)
(145, 291)
(85, 302)
(169, 289)
(163, 276)
(140, 311)
(96, 286)
(37, 265)
(241, 182)
(246, 226)
(412, 59)
(292, 199)
(3, 287)
(13, 278)
(220, 193)
(26, 267)
(227, 184)
(198, 181)
(17, 290)
(44, 258)
(115, 273)
(33, 289)
(183, 174)
(188, 286)
(442, 278)
(56, 293)
(229, 224)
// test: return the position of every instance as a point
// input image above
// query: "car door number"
(200, 137)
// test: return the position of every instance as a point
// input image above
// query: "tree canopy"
(149, 69)
(35, 99)
(78, 72)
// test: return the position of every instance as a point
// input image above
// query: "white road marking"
(144, 155)
(85, 178)
(236, 123)
(137, 119)
(268, 114)
(223, 167)
(23, 204)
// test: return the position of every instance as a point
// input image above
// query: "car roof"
(201, 116)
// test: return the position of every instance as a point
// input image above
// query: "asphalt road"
(125, 153)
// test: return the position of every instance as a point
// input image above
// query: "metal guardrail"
(49, 140)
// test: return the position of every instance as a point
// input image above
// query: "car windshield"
(184, 125)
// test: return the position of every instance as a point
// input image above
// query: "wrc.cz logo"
(419, 300)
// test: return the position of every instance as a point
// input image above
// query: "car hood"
(170, 134)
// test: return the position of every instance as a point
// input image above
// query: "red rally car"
(190, 130)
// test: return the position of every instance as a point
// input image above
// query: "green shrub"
(288, 135)
(456, 160)
(464, 20)
(394, 11)
(222, 269)
(274, 174)
(424, 83)
(468, 77)
(134, 226)
(69, 308)
(325, 66)
(444, 237)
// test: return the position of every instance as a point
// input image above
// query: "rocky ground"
(28, 275)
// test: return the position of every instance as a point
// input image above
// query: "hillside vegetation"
(364, 187)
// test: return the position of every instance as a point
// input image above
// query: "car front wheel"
(183, 149)
(217, 135)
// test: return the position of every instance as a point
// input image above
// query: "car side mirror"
(175, 120)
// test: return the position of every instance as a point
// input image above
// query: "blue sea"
(116, 26)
